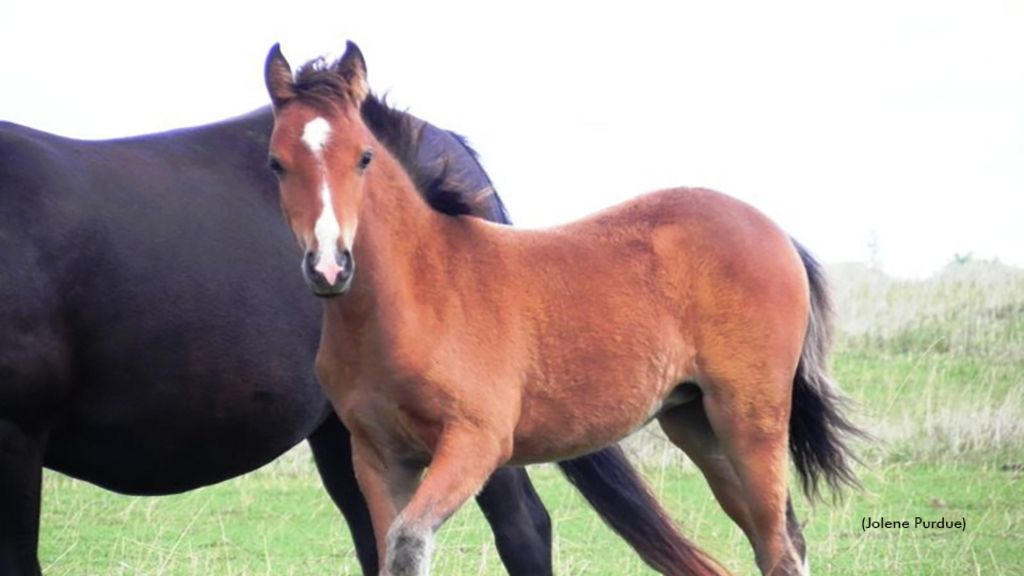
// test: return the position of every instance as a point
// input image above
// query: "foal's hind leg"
(796, 534)
(741, 448)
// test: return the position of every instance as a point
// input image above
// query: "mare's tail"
(614, 489)
(819, 432)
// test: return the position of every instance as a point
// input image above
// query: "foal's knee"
(409, 547)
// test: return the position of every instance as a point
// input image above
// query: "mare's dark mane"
(443, 185)
(439, 171)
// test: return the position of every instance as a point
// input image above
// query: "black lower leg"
(21, 473)
(332, 451)
(521, 524)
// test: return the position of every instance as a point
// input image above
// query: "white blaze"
(327, 230)
(315, 135)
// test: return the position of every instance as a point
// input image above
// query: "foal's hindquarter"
(643, 308)
(504, 346)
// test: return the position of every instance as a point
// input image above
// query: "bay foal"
(456, 346)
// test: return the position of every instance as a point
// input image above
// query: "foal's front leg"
(386, 485)
(464, 459)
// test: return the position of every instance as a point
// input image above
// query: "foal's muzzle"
(328, 273)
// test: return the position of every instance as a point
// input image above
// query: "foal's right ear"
(352, 67)
(278, 76)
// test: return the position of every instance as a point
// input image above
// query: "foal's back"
(638, 298)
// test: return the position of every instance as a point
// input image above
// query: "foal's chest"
(389, 414)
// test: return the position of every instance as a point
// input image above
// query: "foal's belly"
(562, 429)
(551, 444)
(597, 384)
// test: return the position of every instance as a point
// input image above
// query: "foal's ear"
(278, 76)
(353, 68)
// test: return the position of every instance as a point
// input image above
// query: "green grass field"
(936, 367)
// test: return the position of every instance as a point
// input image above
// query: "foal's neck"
(400, 250)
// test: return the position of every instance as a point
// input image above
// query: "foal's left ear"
(352, 67)
(278, 76)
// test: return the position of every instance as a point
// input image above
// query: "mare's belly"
(162, 440)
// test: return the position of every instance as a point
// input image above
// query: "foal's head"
(320, 151)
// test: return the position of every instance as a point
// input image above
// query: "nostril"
(310, 260)
(345, 262)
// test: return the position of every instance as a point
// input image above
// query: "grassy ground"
(936, 366)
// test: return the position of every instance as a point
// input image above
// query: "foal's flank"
(450, 358)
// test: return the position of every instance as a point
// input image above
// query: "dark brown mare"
(127, 361)
(456, 346)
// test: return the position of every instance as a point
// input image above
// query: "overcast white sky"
(899, 121)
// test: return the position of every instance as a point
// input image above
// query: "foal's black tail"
(614, 489)
(819, 432)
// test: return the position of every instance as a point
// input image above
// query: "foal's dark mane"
(320, 85)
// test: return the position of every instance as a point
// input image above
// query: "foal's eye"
(275, 166)
(364, 161)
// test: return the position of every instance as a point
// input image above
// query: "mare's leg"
(743, 455)
(521, 525)
(332, 451)
(463, 460)
(21, 474)
(33, 387)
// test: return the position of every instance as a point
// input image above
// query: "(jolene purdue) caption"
(881, 523)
